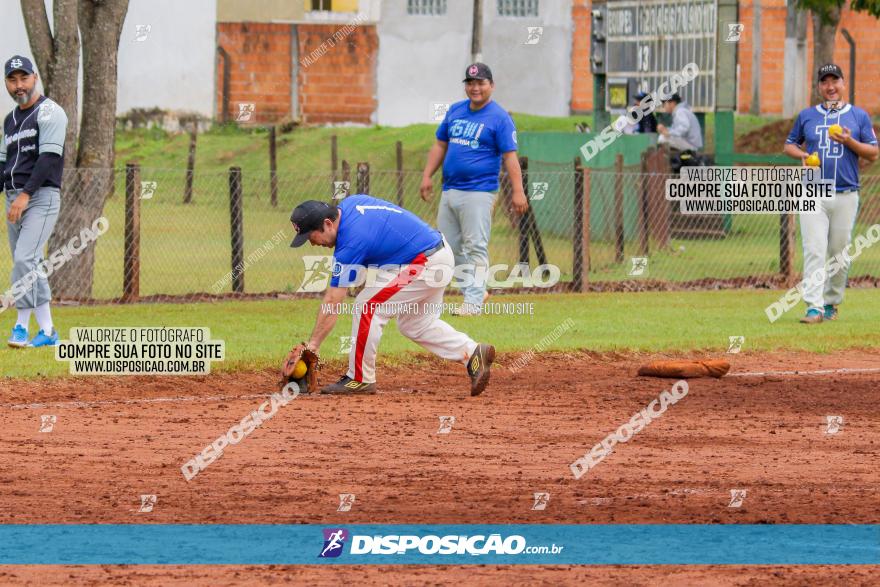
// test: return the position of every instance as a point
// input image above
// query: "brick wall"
(339, 84)
(862, 27)
(581, 78)
(336, 81)
(260, 69)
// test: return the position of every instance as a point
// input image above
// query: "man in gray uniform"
(31, 156)
(684, 134)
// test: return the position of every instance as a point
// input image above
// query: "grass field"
(307, 150)
(258, 333)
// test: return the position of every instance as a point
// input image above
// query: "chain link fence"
(177, 235)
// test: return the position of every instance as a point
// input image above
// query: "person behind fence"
(648, 122)
(476, 135)
(413, 260)
(827, 235)
(32, 159)
(684, 134)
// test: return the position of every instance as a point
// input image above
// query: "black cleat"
(478, 367)
(348, 386)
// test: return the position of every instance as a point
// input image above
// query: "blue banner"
(612, 544)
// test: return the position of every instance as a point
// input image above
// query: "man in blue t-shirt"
(472, 141)
(406, 264)
(827, 234)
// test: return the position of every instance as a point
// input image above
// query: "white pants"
(416, 301)
(825, 235)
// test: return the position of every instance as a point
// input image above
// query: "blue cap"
(19, 63)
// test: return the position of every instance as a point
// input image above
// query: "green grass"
(307, 149)
(257, 334)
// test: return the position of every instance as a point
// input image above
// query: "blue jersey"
(476, 142)
(838, 163)
(376, 232)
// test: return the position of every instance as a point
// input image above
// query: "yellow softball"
(835, 129)
(299, 369)
(813, 160)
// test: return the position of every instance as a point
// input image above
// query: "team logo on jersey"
(334, 540)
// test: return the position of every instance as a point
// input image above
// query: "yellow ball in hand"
(835, 129)
(299, 369)
(813, 160)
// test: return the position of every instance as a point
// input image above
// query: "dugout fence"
(213, 234)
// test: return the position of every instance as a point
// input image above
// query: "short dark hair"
(674, 98)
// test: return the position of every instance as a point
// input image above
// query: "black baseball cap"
(673, 98)
(830, 69)
(307, 217)
(18, 63)
(477, 71)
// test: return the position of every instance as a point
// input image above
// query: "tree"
(99, 24)
(826, 18)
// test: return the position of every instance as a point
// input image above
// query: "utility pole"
(477, 33)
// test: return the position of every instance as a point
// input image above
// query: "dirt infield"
(118, 438)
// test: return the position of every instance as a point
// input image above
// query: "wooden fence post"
(334, 165)
(131, 265)
(237, 227)
(363, 177)
(618, 209)
(190, 165)
(644, 216)
(399, 153)
(786, 248)
(273, 168)
(523, 224)
(581, 240)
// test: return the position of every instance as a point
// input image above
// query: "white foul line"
(155, 400)
(819, 372)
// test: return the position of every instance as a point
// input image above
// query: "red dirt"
(765, 434)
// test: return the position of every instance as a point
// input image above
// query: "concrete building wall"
(172, 68)
(534, 78)
(421, 60)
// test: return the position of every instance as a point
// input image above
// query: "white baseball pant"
(824, 236)
(415, 297)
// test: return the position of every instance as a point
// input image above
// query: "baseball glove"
(685, 369)
(308, 381)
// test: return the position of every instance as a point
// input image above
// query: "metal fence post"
(236, 223)
(273, 168)
(363, 177)
(131, 265)
(618, 209)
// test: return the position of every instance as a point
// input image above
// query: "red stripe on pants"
(405, 277)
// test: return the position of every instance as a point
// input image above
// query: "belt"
(434, 249)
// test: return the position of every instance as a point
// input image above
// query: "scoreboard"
(643, 43)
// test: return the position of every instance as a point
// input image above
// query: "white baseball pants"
(824, 236)
(415, 297)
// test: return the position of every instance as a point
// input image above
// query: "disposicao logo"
(334, 540)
